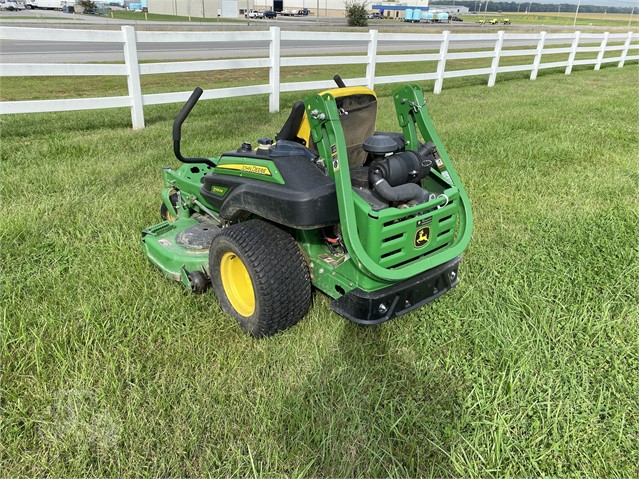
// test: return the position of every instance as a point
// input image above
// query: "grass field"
(156, 17)
(560, 18)
(527, 368)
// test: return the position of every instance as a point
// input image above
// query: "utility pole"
(631, 12)
(574, 23)
(485, 10)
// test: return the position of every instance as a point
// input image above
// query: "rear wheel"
(260, 277)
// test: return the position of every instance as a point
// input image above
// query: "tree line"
(532, 6)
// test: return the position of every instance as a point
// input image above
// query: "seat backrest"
(292, 124)
(358, 112)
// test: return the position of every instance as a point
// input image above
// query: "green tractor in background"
(377, 221)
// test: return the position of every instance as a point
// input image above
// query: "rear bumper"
(378, 306)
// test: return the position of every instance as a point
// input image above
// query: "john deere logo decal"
(255, 169)
(422, 237)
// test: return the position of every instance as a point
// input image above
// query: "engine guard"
(375, 307)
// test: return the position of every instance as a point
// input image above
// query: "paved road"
(15, 51)
(54, 52)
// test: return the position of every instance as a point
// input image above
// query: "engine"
(396, 175)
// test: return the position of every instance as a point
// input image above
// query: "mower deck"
(180, 247)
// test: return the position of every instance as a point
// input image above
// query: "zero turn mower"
(377, 221)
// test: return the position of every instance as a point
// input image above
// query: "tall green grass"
(527, 368)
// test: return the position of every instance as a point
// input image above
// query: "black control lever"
(177, 129)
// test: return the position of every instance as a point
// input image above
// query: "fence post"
(372, 58)
(274, 71)
(602, 52)
(573, 52)
(441, 64)
(133, 77)
(498, 44)
(624, 52)
(537, 60)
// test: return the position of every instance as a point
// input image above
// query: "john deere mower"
(377, 221)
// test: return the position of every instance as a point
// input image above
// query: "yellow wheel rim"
(237, 284)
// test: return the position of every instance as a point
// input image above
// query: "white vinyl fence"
(546, 44)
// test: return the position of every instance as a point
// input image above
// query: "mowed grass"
(157, 17)
(527, 368)
(560, 18)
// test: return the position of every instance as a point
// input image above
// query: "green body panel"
(380, 246)
(388, 236)
(187, 179)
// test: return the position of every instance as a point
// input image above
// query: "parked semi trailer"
(47, 4)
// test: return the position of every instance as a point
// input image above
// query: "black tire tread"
(278, 272)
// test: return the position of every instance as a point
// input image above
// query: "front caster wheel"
(260, 277)
(198, 281)
(165, 214)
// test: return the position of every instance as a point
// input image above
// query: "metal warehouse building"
(237, 8)
(453, 9)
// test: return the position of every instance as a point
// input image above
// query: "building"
(452, 9)
(203, 8)
(237, 8)
(397, 9)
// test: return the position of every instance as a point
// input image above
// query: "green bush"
(356, 14)
(88, 5)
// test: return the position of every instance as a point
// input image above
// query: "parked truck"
(12, 5)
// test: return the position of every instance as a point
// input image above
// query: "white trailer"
(48, 4)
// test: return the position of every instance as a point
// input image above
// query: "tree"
(356, 13)
(88, 5)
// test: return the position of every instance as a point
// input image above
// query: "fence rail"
(599, 43)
